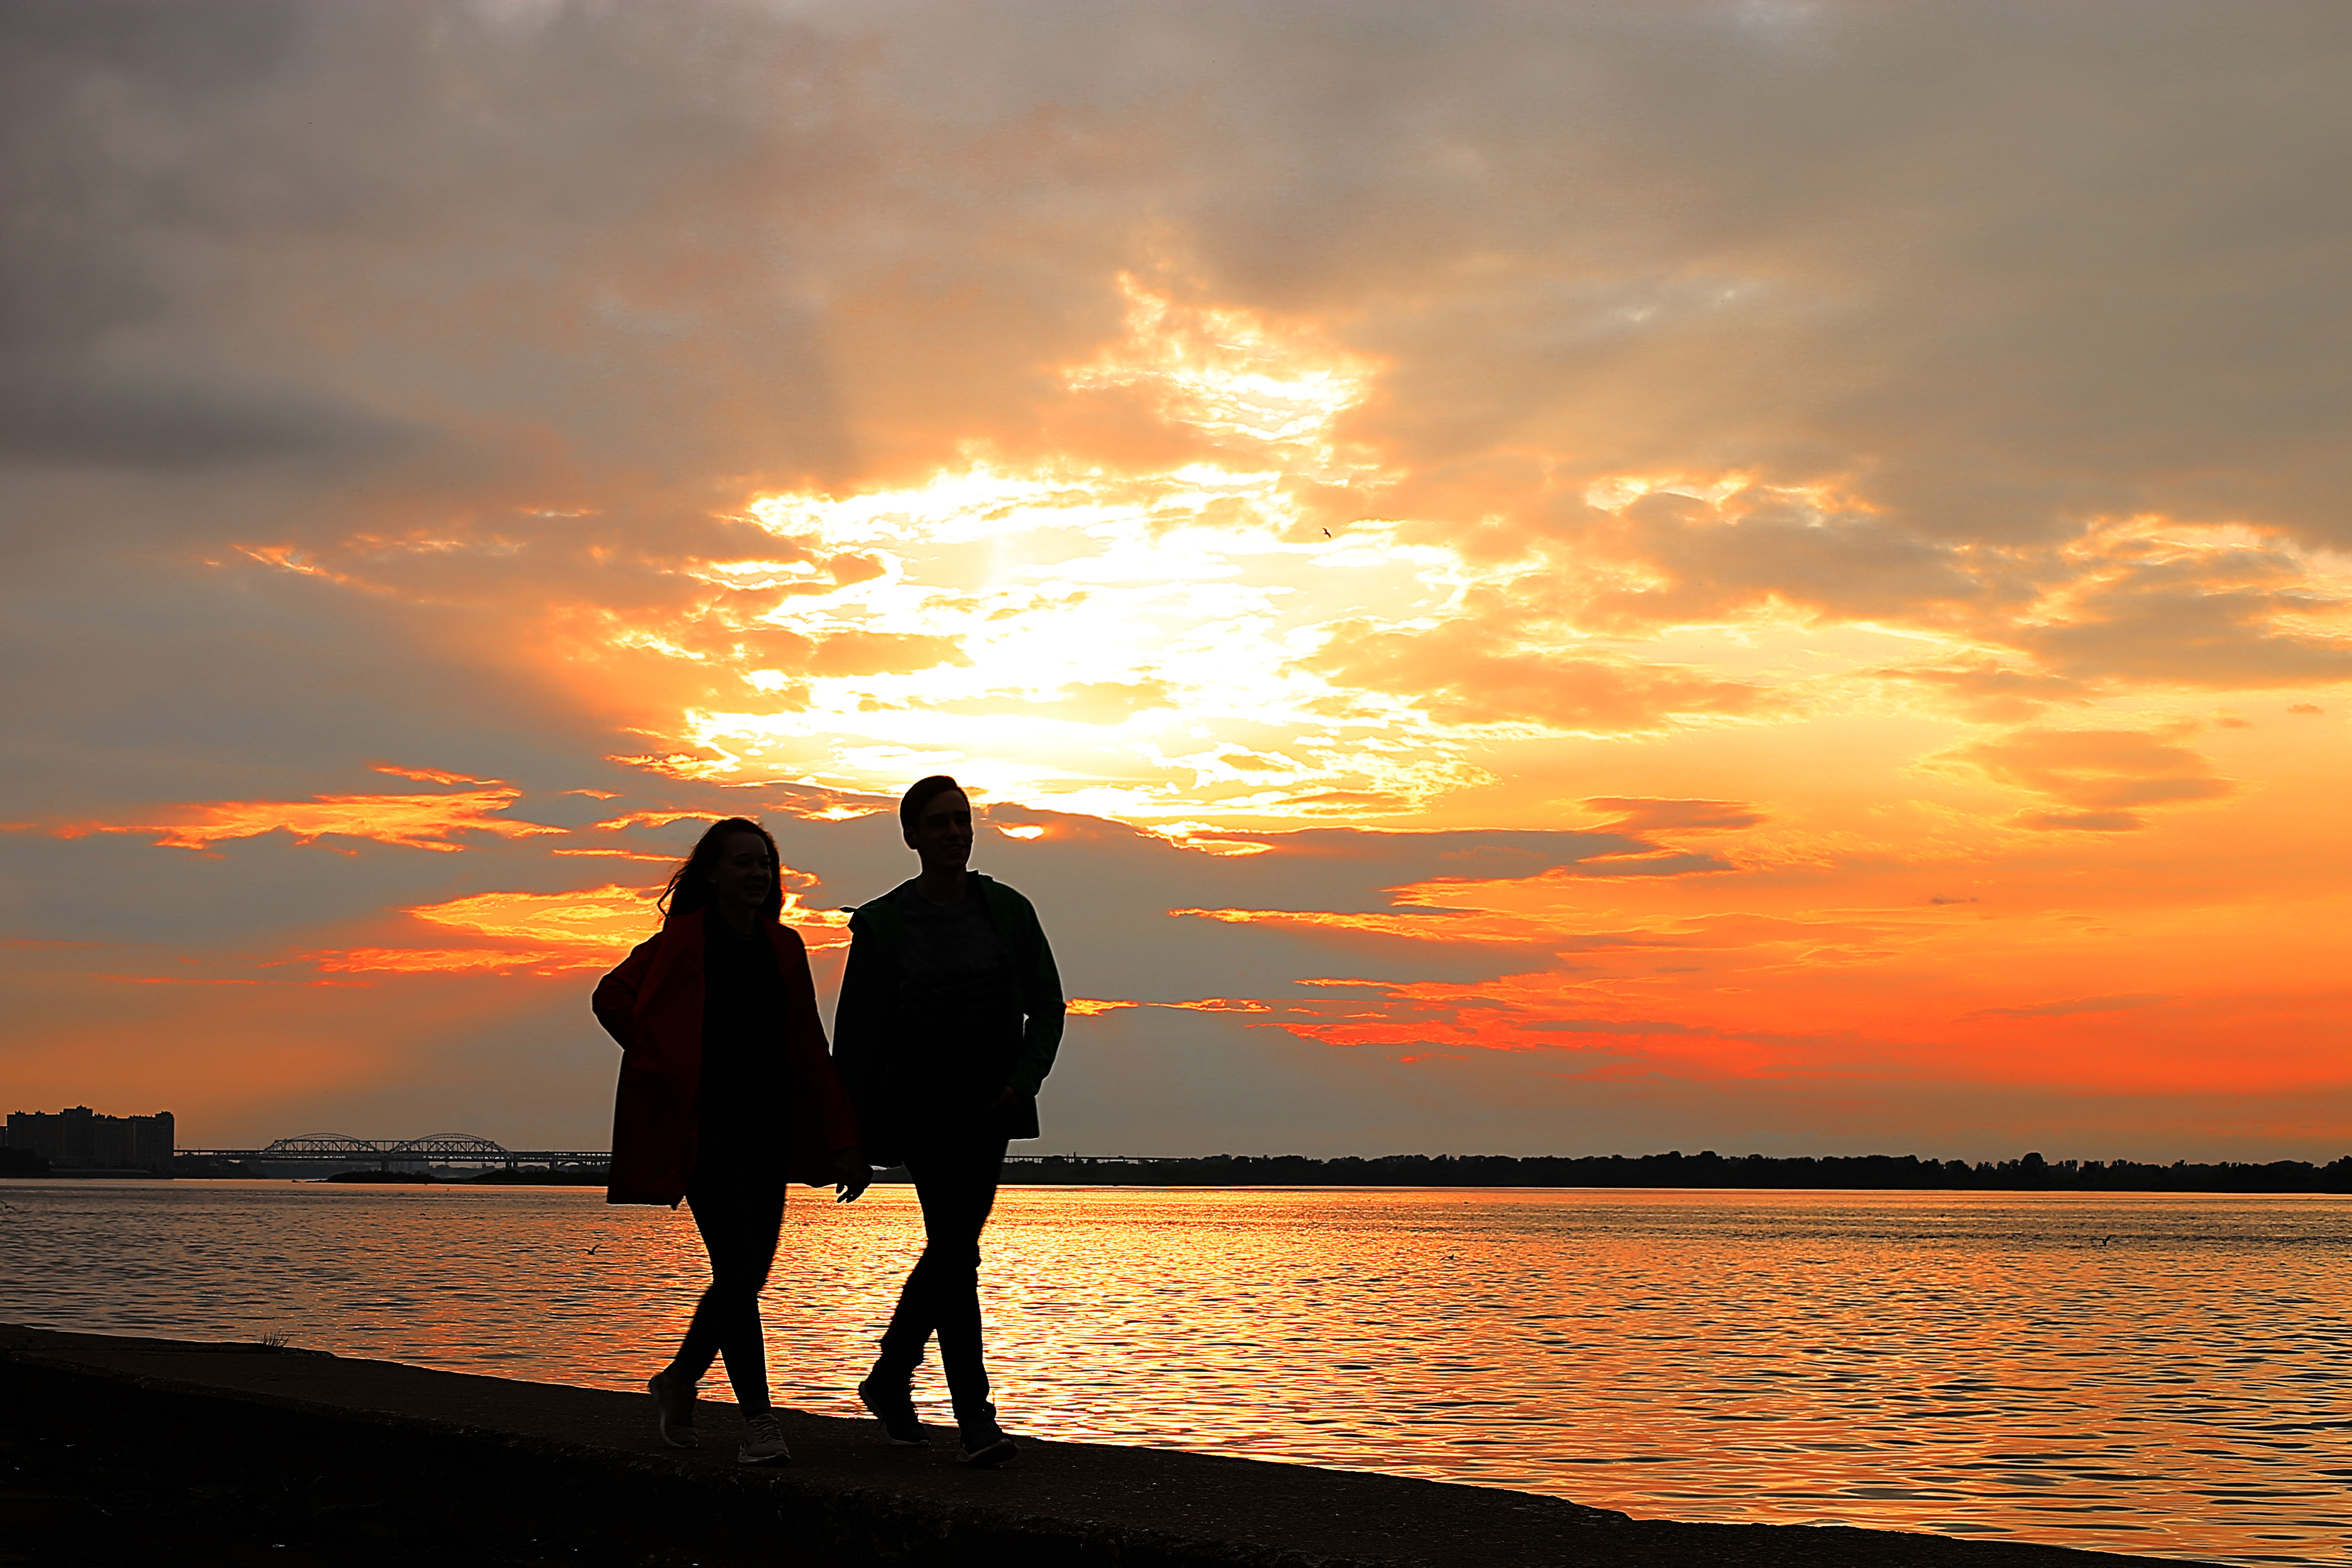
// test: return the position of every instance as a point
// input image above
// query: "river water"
(2138, 1373)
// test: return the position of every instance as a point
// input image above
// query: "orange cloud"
(547, 933)
(616, 855)
(1647, 816)
(1218, 1005)
(537, 932)
(434, 776)
(2098, 774)
(1992, 693)
(610, 919)
(1470, 672)
(446, 960)
(412, 821)
(1431, 926)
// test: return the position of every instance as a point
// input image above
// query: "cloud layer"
(1722, 556)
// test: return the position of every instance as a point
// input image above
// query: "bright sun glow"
(1126, 643)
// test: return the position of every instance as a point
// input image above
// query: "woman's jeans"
(739, 1216)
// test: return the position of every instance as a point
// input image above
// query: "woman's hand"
(852, 1176)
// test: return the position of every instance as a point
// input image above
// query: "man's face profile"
(942, 833)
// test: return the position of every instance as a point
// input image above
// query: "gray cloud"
(53, 412)
(1688, 238)
(2212, 619)
(519, 269)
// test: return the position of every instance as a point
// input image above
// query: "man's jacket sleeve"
(1042, 1002)
(856, 1015)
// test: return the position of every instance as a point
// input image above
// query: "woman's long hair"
(689, 887)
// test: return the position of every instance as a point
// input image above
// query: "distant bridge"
(436, 1149)
(1018, 1158)
(471, 1149)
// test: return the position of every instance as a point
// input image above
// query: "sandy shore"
(139, 1451)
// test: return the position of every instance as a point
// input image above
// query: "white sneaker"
(763, 1442)
(673, 1408)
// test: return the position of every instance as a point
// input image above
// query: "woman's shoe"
(673, 1408)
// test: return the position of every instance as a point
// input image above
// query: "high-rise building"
(82, 1139)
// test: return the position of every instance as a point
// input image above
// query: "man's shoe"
(895, 1408)
(763, 1442)
(986, 1450)
(673, 1408)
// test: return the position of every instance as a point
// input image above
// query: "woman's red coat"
(653, 1005)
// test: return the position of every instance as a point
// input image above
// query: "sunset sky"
(1759, 576)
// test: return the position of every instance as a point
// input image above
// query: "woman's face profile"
(741, 875)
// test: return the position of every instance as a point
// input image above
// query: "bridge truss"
(438, 1149)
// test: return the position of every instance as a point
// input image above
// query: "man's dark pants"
(955, 1181)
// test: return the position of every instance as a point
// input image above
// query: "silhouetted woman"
(726, 1094)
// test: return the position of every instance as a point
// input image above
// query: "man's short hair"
(918, 795)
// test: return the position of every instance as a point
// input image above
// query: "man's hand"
(852, 1176)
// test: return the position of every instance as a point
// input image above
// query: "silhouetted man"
(951, 1013)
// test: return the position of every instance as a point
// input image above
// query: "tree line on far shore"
(2028, 1173)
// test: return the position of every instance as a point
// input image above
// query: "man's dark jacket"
(866, 1025)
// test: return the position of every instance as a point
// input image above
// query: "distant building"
(82, 1139)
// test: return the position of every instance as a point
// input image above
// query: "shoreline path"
(144, 1449)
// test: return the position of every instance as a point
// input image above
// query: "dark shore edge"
(129, 1450)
